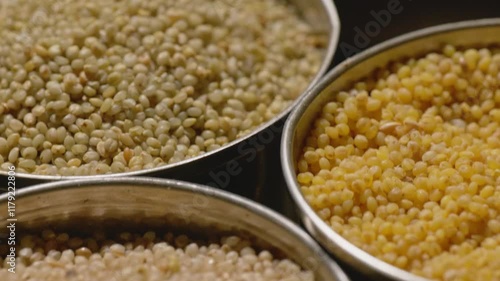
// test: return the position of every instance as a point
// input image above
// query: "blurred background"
(415, 14)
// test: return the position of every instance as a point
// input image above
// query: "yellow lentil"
(431, 198)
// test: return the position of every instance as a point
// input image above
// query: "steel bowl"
(245, 156)
(144, 203)
(476, 33)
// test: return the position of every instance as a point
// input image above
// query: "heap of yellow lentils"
(406, 165)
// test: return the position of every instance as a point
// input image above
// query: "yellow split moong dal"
(105, 86)
(406, 165)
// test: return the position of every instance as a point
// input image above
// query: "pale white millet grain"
(165, 79)
(59, 256)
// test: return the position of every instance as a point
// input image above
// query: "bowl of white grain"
(154, 229)
(158, 88)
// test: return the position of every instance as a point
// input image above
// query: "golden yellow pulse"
(406, 165)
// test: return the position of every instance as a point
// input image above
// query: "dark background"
(416, 14)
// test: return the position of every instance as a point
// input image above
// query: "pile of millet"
(51, 256)
(406, 164)
(106, 86)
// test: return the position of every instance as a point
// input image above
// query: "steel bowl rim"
(318, 225)
(333, 36)
(183, 186)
